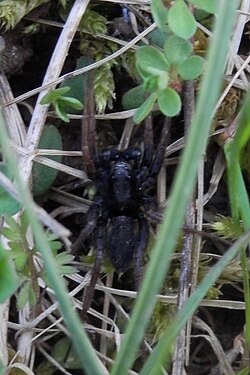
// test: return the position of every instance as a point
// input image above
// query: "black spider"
(124, 182)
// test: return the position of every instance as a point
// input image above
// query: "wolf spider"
(124, 182)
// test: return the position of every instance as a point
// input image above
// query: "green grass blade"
(158, 358)
(87, 356)
(182, 189)
(239, 200)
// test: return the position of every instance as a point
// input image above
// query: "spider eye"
(132, 153)
(110, 155)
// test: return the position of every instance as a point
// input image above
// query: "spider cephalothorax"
(124, 181)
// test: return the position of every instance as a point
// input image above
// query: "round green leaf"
(191, 68)
(134, 97)
(207, 5)
(181, 21)
(169, 102)
(145, 109)
(44, 176)
(77, 83)
(150, 61)
(159, 12)
(158, 37)
(177, 49)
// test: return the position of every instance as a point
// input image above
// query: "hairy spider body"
(122, 241)
(124, 181)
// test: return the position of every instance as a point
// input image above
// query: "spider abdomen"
(122, 241)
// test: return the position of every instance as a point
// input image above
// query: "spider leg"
(148, 143)
(89, 148)
(147, 180)
(160, 153)
(96, 269)
(143, 234)
(91, 216)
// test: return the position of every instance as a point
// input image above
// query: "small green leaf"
(191, 68)
(156, 83)
(10, 234)
(8, 205)
(134, 97)
(12, 223)
(169, 102)
(181, 21)
(177, 49)
(77, 83)
(150, 61)
(8, 278)
(23, 295)
(53, 95)
(158, 37)
(71, 102)
(19, 257)
(209, 6)
(61, 111)
(55, 245)
(145, 109)
(43, 176)
(63, 261)
(160, 13)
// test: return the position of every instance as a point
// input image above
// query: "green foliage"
(26, 294)
(44, 176)
(158, 37)
(12, 11)
(191, 68)
(8, 205)
(134, 97)
(239, 200)
(103, 76)
(177, 49)
(159, 13)
(150, 62)
(127, 61)
(181, 192)
(32, 29)
(145, 108)
(163, 73)
(178, 17)
(181, 21)
(77, 83)
(225, 227)
(161, 318)
(93, 22)
(104, 87)
(8, 278)
(22, 255)
(64, 354)
(62, 104)
(209, 6)
(169, 102)
(244, 371)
